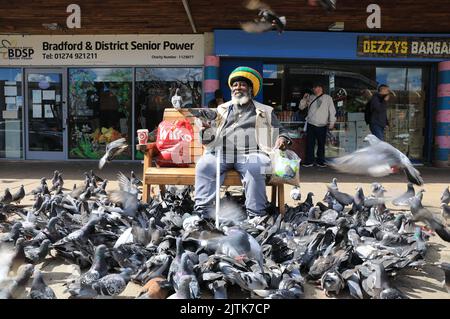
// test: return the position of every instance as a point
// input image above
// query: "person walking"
(378, 111)
(321, 116)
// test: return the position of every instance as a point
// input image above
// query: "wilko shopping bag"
(173, 140)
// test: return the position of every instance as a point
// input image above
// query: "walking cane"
(217, 186)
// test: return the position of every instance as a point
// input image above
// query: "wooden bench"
(161, 176)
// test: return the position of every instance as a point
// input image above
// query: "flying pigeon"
(378, 159)
(267, 21)
(112, 150)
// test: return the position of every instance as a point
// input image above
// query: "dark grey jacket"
(378, 113)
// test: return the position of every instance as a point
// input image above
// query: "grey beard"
(240, 100)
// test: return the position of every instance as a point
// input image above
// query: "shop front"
(67, 97)
(350, 66)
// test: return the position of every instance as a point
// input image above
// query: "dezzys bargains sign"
(101, 50)
(407, 47)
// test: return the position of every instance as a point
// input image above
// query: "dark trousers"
(377, 130)
(314, 133)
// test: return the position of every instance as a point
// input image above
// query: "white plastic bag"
(285, 167)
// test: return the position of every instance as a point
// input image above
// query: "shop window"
(155, 88)
(99, 110)
(406, 109)
(11, 105)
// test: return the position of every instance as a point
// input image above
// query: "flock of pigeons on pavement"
(346, 244)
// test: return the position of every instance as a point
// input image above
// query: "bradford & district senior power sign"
(407, 47)
(102, 50)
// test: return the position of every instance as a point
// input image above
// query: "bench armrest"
(150, 150)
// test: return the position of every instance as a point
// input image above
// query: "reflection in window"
(99, 110)
(11, 105)
(155, 88)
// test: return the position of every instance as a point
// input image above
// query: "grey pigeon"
(114, 284)
(19, 195)
(446, 268)
(7, 197)
(422, 214)
(39, 289)
(112, 150)
(13, 234)
(445, 210)
(268, 19)
(295, 193)
(378, 159)
(445, 198)
(16, 288)
(35, 255)
(184, 289)
(403, 200)
(332, 282)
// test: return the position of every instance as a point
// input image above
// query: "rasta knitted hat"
(249, 75)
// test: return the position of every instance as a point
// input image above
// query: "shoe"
(307, 165)
(323, 165)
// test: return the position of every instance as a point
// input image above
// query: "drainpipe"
(188, 12)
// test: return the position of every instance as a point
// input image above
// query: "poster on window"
(168, 49)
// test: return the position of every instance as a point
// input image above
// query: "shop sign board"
(403, 46)
(46, 50)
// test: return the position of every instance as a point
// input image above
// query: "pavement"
(424, 283)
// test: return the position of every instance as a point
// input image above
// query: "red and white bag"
(173, 140)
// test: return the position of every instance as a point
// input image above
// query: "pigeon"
(35, 255)
(114, 284)
(267, 19)
(112, 150)
(155, 288)
(13, 234)
(445, 198)
(328, 5)
(295, 193)
(378, 159)
(19, 195)
(422, 214)
(445, 210)
(177, 99)
(332, 282)
(446, 268)
(16, 288)
(39, 289)
(184, 289)
(403, 200)
(7, 197)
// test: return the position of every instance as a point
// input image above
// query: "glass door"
(46, 114)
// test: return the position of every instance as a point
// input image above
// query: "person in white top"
(321, 115)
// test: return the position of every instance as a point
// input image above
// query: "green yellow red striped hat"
(249, 75)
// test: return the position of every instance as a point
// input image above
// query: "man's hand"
(331, 126)
(281, 143)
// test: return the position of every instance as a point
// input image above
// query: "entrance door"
(46, 113)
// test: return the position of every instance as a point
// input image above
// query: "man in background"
(218, 99)
(321, 115)
(378, 111)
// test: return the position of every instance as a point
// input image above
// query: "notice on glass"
(37, 96)
(11, 107)
(19, 101)
(10, 100)
(48, 112)
(37, 111)
(48, 95)
(10, 83)
(10, 90)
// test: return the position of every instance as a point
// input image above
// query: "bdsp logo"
(15, 53)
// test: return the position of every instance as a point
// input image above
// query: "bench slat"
(183, 176)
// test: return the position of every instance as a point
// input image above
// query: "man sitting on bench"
(246, 132)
